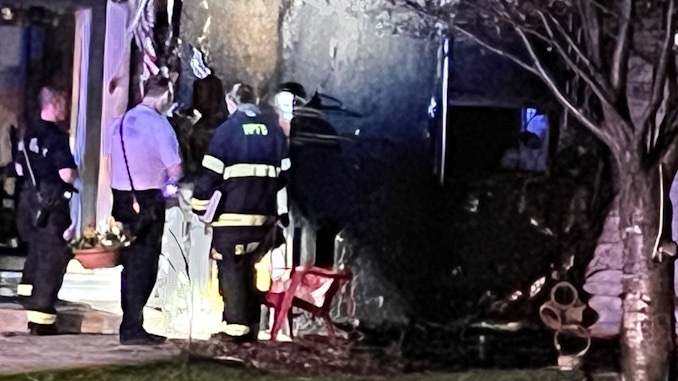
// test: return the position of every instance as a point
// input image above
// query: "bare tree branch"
(591, 29)
(571, 43)
(604, 9)
(563, 99)
(619, 68)
(659, 82)
(668, 126)
(498, 51)
(593, 79)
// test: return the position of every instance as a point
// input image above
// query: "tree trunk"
(647, 327)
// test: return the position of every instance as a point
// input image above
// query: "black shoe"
(223, 337)
(157, 338)
(146, 339)
(138, 341)
(36, 329)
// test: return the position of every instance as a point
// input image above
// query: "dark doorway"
(479, 136)
(38, 45)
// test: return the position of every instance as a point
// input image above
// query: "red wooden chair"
(311, 289)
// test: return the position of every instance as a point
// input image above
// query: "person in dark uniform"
(243, 163)
(319, 189)
(43, 215)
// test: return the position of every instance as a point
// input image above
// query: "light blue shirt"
(151, 147)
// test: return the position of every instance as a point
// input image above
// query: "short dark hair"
(156, 86)
(242, 94)
(51, 95)
(293, 87)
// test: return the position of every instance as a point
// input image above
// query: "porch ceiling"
(56, 5)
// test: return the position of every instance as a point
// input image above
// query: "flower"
(109, 234)
(90, 232)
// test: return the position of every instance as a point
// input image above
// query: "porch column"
(89, 170)
(115, 94)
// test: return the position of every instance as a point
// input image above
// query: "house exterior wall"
(388, 78)
(343, 54)
(339, 51)
(507, 86)
(239, 38)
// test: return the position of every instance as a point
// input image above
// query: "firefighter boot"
(36, 329)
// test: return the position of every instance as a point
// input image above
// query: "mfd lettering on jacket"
(254, 129)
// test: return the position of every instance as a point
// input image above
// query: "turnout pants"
(140, 259)
(47, 258)
(236, 250)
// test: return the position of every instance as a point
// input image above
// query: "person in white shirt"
(145, 159)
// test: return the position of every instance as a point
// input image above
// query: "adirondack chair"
(311, 289)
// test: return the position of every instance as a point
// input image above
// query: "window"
(531, 154)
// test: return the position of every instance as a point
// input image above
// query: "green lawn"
(203, 371)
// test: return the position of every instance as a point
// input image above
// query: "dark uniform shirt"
(48, 151)
(245, 161)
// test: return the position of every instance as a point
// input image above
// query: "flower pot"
(98, 257)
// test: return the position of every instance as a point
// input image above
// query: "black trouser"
(236, 273)
(140, 259)
(48, 256)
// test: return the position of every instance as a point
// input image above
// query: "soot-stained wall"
(240, 38)
(339, 50)
(389, 78)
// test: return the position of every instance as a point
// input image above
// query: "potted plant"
(100, 247)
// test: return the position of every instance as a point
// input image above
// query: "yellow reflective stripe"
(246, 249)
(24, 290)
(285, 164)
(234, 219)
(235, 329)
(213, 164)
(40, 317)
(198, 204)
(250, 170)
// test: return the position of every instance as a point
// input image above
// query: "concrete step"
(21, 354)
(12, 262)
(8, 283)
(71, 318)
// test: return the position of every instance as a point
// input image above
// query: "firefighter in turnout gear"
(48, 170)
(244, 165)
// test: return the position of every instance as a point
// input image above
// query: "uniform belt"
(235, 219)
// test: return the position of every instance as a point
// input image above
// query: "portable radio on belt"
(42, 215)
